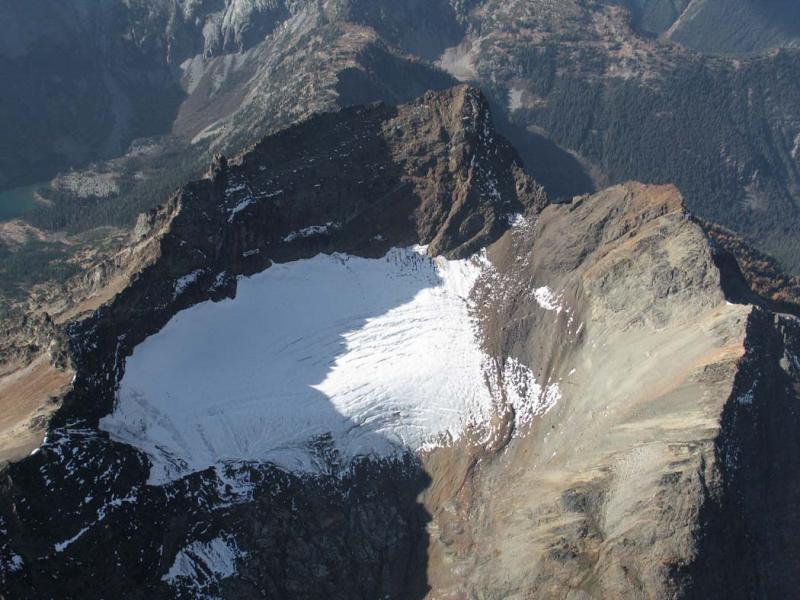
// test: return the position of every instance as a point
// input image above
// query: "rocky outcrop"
(618, 490)
(745, 547)
(761, 274)
(35, 372)
(24, 337)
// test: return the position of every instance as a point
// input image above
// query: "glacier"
(368, 357)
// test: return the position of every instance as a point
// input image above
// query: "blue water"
(14, 203)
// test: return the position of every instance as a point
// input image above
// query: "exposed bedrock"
(634, 484)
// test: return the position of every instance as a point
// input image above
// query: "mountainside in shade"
(427, 382)
(141, 94)
(721, 26)
(724, 130)
(164, 84)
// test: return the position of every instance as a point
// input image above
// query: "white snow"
(525, 395)
(12, 565)
(219, 280)
(545, 297)
(311, 231)
(102, 513)
(248, 199)
(380, 353)
(185, 281)
(517, 221)
(61, 546)
(234, 485)
(236, 187)
(239, 208)
(202, 564)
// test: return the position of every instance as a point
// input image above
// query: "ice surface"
(379, 353)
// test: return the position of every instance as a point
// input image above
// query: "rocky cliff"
(618, 491)
(642, 414)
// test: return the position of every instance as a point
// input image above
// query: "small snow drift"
(199, 566)
(376, 356)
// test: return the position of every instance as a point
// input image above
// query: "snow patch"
(219, 280)
(102, 513)
(61, 546)
(236, 187)
(517, 221)
(545, 298)
(525, 395)
(311, 231)
(234, 485)
(239, 208)
(202, 565)
(12, 564)
(380, 356)
(184, 282)
(247, 201)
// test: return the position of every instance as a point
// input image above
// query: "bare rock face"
(636, 401)
(617, 300)
(35, 372)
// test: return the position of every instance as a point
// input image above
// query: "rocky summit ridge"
(644, 385)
